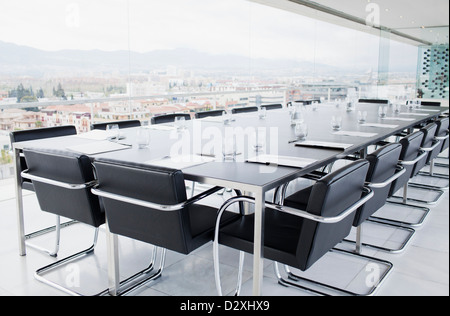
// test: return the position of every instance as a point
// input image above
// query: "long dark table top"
(241, 174)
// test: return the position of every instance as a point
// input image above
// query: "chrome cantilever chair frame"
(426, 152)
(117, 288)
(359, 244)
(42, 271)
(404, 203)
(291, 276)
(432, 174)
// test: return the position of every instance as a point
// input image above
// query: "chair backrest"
(166, 229)
(429, 132)
(76, 203)
(122, 125)
(272, 106)
(35, 134)
(383, 166)
(201, 115)
(374, 101)
(411, 145)
(442, 130)
(169, 118)
(307, 102)
(430, 103)
(244, 110)
(330, 197)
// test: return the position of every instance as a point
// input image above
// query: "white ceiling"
(424, 20)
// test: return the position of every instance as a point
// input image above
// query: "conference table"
(255, 170)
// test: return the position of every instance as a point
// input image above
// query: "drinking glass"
(226, 116)
(297, 115)
(362, 117)
(336, 123)
(229, 147)
(382, 111)
(180, 122)
(262, 113)
(397, 108)
(301, 131)
(112, 131)
(143, 138)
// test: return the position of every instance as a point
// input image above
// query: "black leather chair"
(149, 204)
(122, 124)
(442, 135)
(269, 107)
(411, 154)
(245, 110)
(201, 115)
(36, 134)
(431, 147)
(169, 118)
(63, 183)
(306, 228)
(384, 170)
(374, 101)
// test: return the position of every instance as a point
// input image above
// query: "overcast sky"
(214, 26)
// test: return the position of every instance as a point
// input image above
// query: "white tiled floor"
(423, 269)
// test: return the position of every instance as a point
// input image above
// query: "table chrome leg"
(19, 204)
(258, 251)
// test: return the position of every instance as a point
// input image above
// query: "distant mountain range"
(23, 60)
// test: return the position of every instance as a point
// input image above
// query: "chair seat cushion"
(281, 233)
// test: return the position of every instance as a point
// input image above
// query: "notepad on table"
(180, 162)
(94, 135)
(379, 125)
(285, 161)
(414, 114)
(355, 134)
(160, 127)
(398, 119)
(325, 145)
(99, 147)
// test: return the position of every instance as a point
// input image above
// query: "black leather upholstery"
(170, 118)
(300, 242)
(383, 165)
(428, 141)
(80, 205)
(245, 110)
(411, 146)
(430, 103)
(272, 106)
(201, 115)
(442, 130)
(374, 101)
(122, 124)
(35, 134)
(182, 231)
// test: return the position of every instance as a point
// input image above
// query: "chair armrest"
(400, 171)
(159, 207)
(26, 175)
(433, 147)
(292, 211)
(413, 162)
(441, 138)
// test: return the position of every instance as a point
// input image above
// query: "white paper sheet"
(426, 110)
(98, 147)
(398, 119)
(94, 135)
(414, 114)
(295, 162)
(180, 162)
(355, 134)
(161, 127)
(379, 125)
(309, 143)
